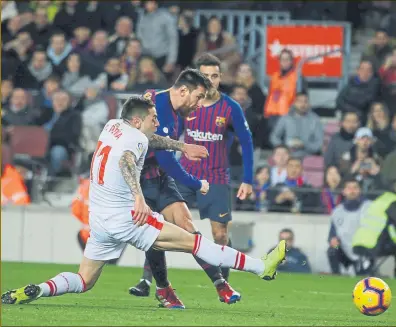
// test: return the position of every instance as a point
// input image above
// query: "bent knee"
(220, 237)
(181, 216)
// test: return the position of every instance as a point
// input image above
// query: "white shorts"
(111, 233)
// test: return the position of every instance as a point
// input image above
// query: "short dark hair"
(207, 59)
(287, 230)
(302, 93)
(136, 105)
(192, 78)
(349, 179)
(381, 30)
(350, 112)
(281, 146)
(295, 159)
(53, 78)
(238, 86)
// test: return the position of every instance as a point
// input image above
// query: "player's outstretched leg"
(173, 238)
(62, 283)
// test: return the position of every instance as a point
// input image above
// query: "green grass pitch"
(290, 300)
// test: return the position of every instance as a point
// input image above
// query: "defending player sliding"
(211, 125)
(119, 214)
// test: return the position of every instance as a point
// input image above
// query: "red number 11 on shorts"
(102, 152)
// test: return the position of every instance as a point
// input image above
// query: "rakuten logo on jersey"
(197, 135)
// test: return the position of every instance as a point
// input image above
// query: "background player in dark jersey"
(160, 190)
(212, 125)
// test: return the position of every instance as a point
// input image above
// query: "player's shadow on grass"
(151, 307)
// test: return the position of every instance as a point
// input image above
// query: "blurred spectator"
(342, 142)
(97, 55)
(331, 196)
(148, 76)
(246, 77)
(94, 116)
(379, 48)
(188, 38)
(362, 161)
(296, 261)
(388, 78)
(33, 74)
(21, 47)
(379, 122)
(280, 156)
(345, 221)
(388, 171)
(58, 51)
(123, 33)
(361, 91)
(40, 29)
(69, 16)
(221, 44)
(64, 129)
(110, 11)
(239, 93)
(92, 10)
(51, 7)
(112, 78)
(7, 86)
(300, 130)
(261, 185)
(282, 90)
(11, 29)
(294, 194)
(43, 100)
(158, 32)
(74, 80)
(81, 39)
(18, 111)
(8, 10)
(130, 59)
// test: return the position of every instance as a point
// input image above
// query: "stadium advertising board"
(306, 41)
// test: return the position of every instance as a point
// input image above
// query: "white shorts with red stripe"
(109, 235)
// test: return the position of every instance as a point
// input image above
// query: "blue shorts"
(160, 192)
(215, 205)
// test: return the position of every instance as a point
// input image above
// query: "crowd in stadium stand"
(64, 61)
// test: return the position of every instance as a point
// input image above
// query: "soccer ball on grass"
(372, 296)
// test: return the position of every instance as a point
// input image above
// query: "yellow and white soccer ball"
(372, 296)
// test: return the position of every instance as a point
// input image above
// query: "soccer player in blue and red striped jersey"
(161, 170)
(212, 125)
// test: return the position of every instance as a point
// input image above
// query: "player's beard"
(185, 112)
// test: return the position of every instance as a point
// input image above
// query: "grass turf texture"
(289, 300)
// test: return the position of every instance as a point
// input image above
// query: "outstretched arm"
(129, 171)
(165, 143)
(191, 151)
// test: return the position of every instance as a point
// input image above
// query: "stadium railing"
(247, 27)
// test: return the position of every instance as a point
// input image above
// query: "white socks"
(224, 256)
(63, 283)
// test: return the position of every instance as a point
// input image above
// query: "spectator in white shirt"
(280, 156)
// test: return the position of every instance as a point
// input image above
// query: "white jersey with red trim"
(109, 193)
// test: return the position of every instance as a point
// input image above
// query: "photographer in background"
(345, 221)
(362, 161)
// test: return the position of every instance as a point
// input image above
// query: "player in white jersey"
(119, 214)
